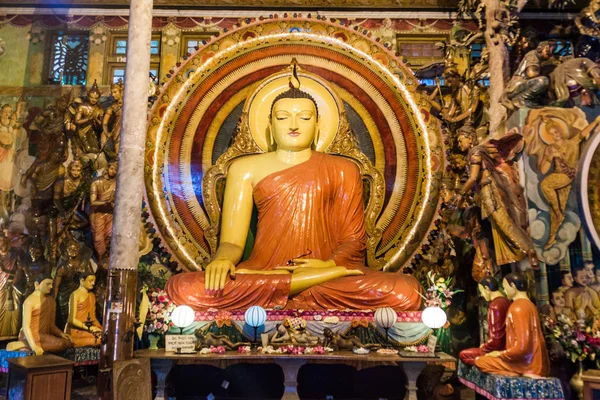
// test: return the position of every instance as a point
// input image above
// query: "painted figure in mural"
(559, 306)
(500, 196)
(596, 272)
(88, 125)
(566, 281)
(10, 300)
(39, 331)
(308, 203)
(576, 77)
(43, 173)
(498, 308)
(32, 268)
(525, 352)
(111, 124)
(582, 299)
(83, 326)
(554, 136)
(102, 198)
(13, 155)
(528, 83)
(74, 262)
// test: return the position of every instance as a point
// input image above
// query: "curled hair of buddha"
(295, 93)
(490, 283)
(84, 275)
(42, 277)
(519, 280)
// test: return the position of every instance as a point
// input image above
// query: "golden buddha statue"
(83, 326)
(310, 243)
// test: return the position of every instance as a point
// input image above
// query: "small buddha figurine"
(305, 199)
(83, 326)
(498, 308)
(525, 352)
(39, 331)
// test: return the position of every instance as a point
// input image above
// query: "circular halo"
(546, 136)
(259, 104)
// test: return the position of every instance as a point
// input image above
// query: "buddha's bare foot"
(354, 272)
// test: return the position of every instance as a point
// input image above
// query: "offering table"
(162, 362)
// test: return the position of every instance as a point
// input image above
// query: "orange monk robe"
(85, 309)
(45, 333)
(317, 206)
(525, 346)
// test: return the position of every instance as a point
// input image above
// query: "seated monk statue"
(309, 204)
(488, 287)
(526, 352)
(39, 312)
(83, 326)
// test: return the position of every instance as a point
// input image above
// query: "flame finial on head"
(294, 80)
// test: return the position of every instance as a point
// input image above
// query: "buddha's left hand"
(307, 263)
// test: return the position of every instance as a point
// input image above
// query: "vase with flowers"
(158, 319)
(439, 296)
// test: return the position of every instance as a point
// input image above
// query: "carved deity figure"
(30, 269)
(555, 137)
(582, 299)
(74, 262)
(575, 77)
(43, 174)
(307, 202)
(111, 124)
(39, 331)
(102, 198)
(10, 301)
(70, 192)
(528, 83)
(498, 308)
(88, 125)
(51, 127)
(500, 196)
(525, 352)
(83, 326)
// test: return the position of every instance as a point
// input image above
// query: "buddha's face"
(558, 299)
(89, 282)
(294, 124)
(45, 286)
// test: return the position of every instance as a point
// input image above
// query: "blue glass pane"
(154, 46)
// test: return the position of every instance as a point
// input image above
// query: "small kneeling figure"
(526, 352)
(83, 326)
(39, 331)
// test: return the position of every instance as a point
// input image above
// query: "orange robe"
(525, 346)
(85, 309)
(317, 206)
(45, 333)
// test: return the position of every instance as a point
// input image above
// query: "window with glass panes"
(69, 59)
(117, 57)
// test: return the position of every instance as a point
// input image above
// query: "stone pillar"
(117, 341)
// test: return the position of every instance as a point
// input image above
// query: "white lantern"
(182, 317)
(434, 317)
(385, 317)
(255, 317)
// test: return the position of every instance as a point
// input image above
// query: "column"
(117, 341)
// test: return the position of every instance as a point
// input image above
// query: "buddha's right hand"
(215, 276)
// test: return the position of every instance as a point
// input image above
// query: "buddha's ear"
(316, 139)
(270, 138)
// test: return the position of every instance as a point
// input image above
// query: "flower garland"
(158, 320)
(579, 340)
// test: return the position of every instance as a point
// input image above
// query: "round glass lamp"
(434, 317)
(182, 317)
(386, 317)
(255, 316)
